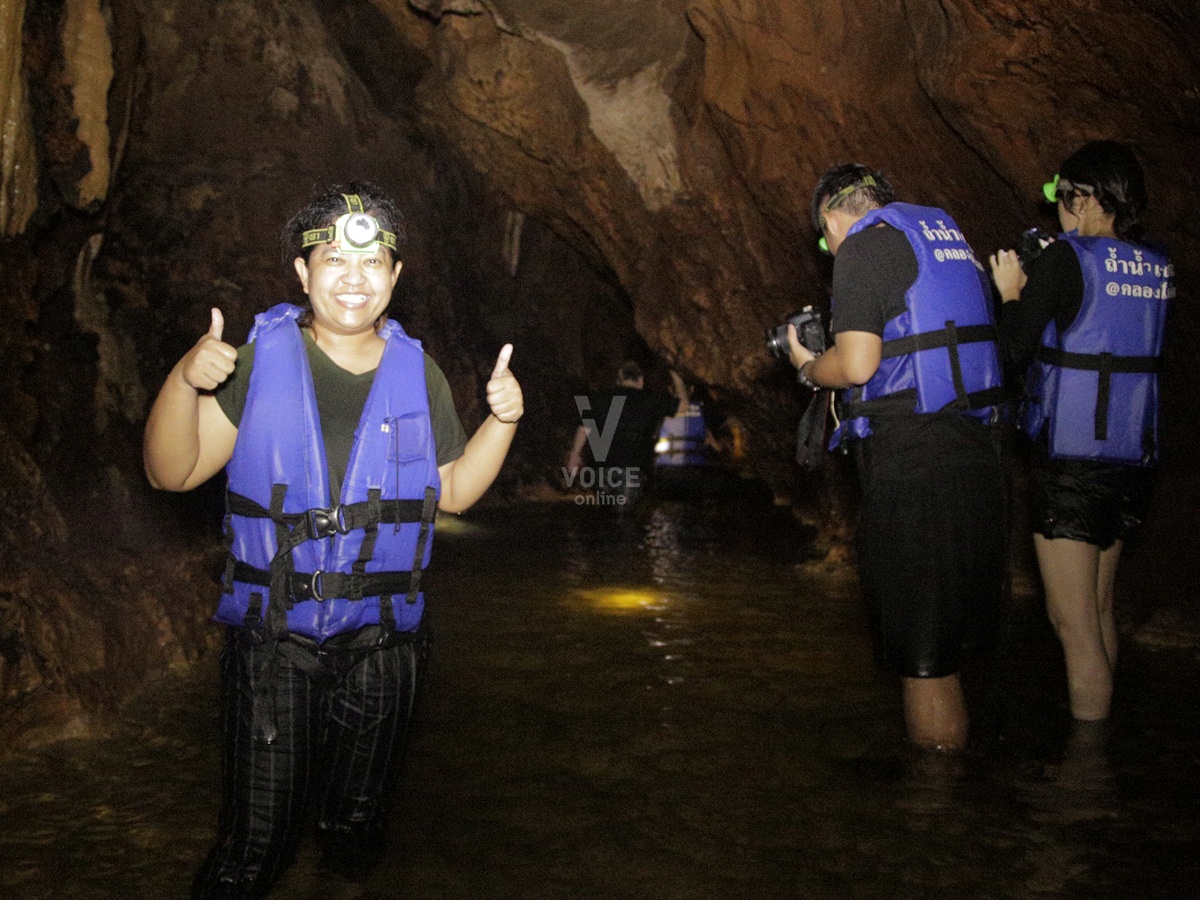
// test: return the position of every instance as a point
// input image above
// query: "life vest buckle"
(323, 523)
(314, 586)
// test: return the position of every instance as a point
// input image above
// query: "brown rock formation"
(588, 180)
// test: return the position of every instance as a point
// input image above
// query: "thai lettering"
(1165, 290)
(941, 233)
(953, 253)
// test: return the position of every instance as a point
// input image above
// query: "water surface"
(668, 705)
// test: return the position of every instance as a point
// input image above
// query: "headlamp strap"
(845, 192)
(329, 235)
(867, 181)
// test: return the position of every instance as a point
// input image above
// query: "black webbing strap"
(276, 619)
(428, 512)
(932, 340)
(960, 387)
(300, 586)
(370, 533)
(254, 609)
(228, 536)
(1105, 364)
(950, 337)
(1103, 397)
(321, 523)
(281, 564)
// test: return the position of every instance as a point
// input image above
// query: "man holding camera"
(916, 361)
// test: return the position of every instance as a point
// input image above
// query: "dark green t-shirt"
(341, 396)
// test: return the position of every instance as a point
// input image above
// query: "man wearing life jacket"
(1086, 325)
(916, 360)
(340, 441)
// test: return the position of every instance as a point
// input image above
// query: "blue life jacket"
(1095, 386)
(300, 563)
(681, 439)
(944, 343)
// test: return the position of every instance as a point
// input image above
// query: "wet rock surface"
(671, 705)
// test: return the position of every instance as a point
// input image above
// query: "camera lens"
(777, 343)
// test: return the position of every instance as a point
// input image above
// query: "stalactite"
(514, 222)
(87, 48)
(18, 156)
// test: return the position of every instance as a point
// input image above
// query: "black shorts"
(1087, 500)
(931, 554)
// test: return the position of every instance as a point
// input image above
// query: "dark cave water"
(666, 705)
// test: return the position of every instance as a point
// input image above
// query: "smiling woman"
(331, 422)
(348, 292)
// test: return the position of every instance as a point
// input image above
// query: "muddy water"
(667, 706)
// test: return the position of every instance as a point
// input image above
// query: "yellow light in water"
(620, 599)
(450, 523)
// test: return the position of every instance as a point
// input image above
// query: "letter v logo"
(600, 443)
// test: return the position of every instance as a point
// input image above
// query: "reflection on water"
(665, 705)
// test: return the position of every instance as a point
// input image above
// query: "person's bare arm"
(681, 393)
(467, 478)
(188, 437)
(851, 361)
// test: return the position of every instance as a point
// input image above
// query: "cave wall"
(588, 180)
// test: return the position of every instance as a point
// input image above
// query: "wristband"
(804, 379)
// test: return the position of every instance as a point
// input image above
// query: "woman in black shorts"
(1085, 325)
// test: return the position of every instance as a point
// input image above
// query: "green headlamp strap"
(1050, 190)
(837, 198)
(356, 231)
(845, 192)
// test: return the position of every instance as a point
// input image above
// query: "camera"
(1033, 241)
(809, 329)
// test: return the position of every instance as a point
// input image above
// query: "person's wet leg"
(265, 785)
(368, 719)
(935, 713)
(1070, 574)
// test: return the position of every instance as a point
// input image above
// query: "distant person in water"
(619, 428)
(340, 441)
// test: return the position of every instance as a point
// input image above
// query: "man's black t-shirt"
(636, 429)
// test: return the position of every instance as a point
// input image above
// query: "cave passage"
(670, 704)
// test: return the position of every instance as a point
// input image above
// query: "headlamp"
(355, 231)
(837, 198)
(1062, 190)
(1050, 190)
